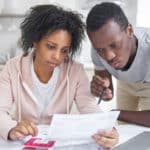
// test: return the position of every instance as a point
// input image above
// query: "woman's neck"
(43, 74)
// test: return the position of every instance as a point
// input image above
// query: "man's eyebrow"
(100, 49)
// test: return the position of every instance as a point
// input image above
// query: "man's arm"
(136, 117)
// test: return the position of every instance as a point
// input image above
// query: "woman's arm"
(6, 102)
(106, 139)
(85, 101)
(22, 129)
(86, 104)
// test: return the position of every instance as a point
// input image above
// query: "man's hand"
(99, 84)
(22, 129)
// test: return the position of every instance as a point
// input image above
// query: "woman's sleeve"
(6, 103)
(85, 101)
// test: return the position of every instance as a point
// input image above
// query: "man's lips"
(115, 64)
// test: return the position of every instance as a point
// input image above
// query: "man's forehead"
(108, 33)
(100, 40)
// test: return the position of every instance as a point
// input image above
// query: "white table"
(125, 132)
(128, 131)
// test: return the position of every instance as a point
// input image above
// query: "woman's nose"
(57, 55)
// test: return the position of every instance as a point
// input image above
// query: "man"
(123, 54)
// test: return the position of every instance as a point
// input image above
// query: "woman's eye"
(65, 50)
(50, 46)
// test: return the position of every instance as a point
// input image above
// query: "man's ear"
(129, 30)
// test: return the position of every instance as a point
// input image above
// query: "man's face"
(113, 44)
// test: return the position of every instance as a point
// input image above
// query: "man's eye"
(114, 46)
(100, 50)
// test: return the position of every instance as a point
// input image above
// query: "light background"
(137, 11)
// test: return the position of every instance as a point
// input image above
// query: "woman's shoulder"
(75, 66)
(14, 60)
(72, 68)
(13, 63)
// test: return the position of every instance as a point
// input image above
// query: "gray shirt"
(139, 70)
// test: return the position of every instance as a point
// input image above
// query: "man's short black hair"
(45, 19)
(100, 14)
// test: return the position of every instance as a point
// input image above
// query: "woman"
(45, 80)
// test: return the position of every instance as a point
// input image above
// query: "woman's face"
(52, 49)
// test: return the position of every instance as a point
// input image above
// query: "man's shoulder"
(140, 32)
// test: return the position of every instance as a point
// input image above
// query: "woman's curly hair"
(45, 19)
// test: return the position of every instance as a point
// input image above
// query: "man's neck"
(133, 53)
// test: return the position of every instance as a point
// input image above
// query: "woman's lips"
(53, 65)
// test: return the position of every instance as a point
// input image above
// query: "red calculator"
(38, 143)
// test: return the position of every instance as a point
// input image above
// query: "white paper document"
(78, 129)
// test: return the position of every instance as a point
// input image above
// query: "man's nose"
(109, 55)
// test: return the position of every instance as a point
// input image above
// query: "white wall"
(143, 11)
(136, 10)
(66, 3)
(21, 6)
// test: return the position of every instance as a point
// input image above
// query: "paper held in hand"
(78, 129)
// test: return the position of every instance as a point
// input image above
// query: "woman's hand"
(106, 139)
(22, 129)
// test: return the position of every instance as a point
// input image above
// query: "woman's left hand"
(106, 139)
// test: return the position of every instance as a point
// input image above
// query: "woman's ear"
(66, 58)
(130, 30)
(34, 45)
